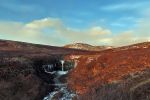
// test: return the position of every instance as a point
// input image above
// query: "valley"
(42, 72)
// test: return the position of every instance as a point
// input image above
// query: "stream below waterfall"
(60, 91)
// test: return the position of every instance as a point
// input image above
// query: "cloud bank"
(53, 31)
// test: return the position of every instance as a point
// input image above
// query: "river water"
(60, 91)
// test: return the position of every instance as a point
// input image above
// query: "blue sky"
(76, 18)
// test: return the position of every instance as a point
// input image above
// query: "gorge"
(39, 72)
(60, 87)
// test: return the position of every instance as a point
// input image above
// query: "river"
(60, 91)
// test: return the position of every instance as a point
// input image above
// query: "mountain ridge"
(84, 46)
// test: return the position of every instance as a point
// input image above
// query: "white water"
(62, 64)
(60, 87)
(62, 72)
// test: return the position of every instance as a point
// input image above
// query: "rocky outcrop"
(83, 46)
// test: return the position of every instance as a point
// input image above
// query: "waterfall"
(60, 87)
(62, 64)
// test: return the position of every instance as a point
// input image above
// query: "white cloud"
(125, 6)
(99, 31)
(125, 21)
(43, 23)
(35, 32)
(52, 31)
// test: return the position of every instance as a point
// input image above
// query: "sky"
(61, 22)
